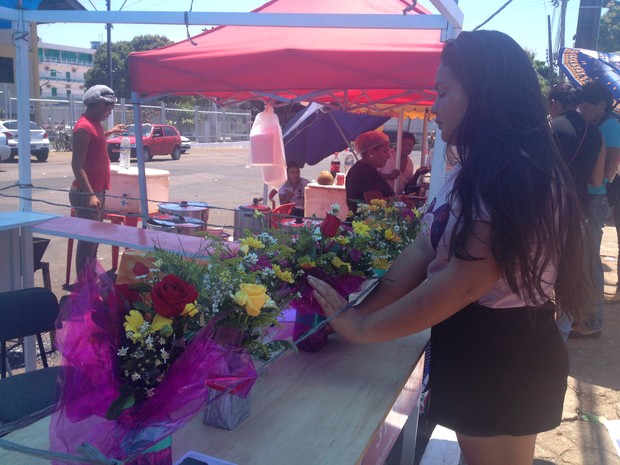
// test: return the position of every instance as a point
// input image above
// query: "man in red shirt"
(91, 165)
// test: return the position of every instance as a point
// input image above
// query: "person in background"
(499, 247)
(596, 108)
(293, 189)
(91, 165)
(584, 153)
(364, 177)
(407, 176)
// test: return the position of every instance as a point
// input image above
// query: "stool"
(114, 218)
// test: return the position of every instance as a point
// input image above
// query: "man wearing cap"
(364, 177)
(91, 165)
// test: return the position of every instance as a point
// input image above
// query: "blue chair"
(27, 312)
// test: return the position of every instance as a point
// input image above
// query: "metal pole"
(137, 119)
(109, 47)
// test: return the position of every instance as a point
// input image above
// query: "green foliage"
(542, 73)
(120, 63)
(609, 31)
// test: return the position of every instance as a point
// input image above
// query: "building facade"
(62, 70)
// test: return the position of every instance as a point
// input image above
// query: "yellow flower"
(240, 298)
(378, 202)
(250, 243)
(390, 235)
(339, 263)
(285, 276)
(381, 263)
(133, 321)
(361, 229)
(342, 240)
(161, 323)
(190, 310)
(256, 297)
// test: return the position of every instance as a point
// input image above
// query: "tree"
(609, 30)
(542, 72)
(98, 74)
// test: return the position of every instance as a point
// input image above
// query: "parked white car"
(5, 150)
(186, 144)
(39, 140)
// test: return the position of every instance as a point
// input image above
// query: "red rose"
(127, 293)
(171, 295)
(140, 269)
(330, 225)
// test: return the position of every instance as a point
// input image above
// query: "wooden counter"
(344, 405)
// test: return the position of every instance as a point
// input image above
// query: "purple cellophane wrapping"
(91, 330)
(309, 313)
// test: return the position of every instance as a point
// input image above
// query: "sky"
(524, 20)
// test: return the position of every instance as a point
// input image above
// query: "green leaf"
(122, 402)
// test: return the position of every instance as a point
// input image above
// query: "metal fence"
(200, 125)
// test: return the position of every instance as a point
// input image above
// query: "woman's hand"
(349, 323)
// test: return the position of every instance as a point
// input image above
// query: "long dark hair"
(566, 94)
(513, 172)
(595, 92)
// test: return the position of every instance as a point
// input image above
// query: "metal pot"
(245, 219)
(165, 223)
(176, 224)
(199, 210)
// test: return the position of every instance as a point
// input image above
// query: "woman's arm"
(612, 157)
(459, 284)
(596, 177)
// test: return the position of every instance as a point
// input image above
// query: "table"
(318, 200)
(343, 405)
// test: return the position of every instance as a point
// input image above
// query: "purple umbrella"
(317, 132)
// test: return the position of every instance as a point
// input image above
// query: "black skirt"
(498, 371)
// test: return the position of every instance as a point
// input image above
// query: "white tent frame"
(17, 266)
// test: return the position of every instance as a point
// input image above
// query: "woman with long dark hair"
(500, 245)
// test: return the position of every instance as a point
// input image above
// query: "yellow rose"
(256, 297)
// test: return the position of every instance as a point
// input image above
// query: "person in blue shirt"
(596, 108)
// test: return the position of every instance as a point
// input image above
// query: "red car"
(158, 139)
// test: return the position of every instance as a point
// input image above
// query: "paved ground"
(218, 176)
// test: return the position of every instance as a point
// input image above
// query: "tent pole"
(424, 138)
(399, 148)
(137, 120)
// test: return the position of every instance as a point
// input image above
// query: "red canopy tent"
(344, 67)
(376, 70)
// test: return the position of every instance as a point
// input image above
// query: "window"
(52, 72)
(157, 132)
(169, 131)
(6, 70)
(54, 92)
(68, 75)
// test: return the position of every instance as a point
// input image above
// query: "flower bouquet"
(128, 353)
(382, 229)
(346, 255)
